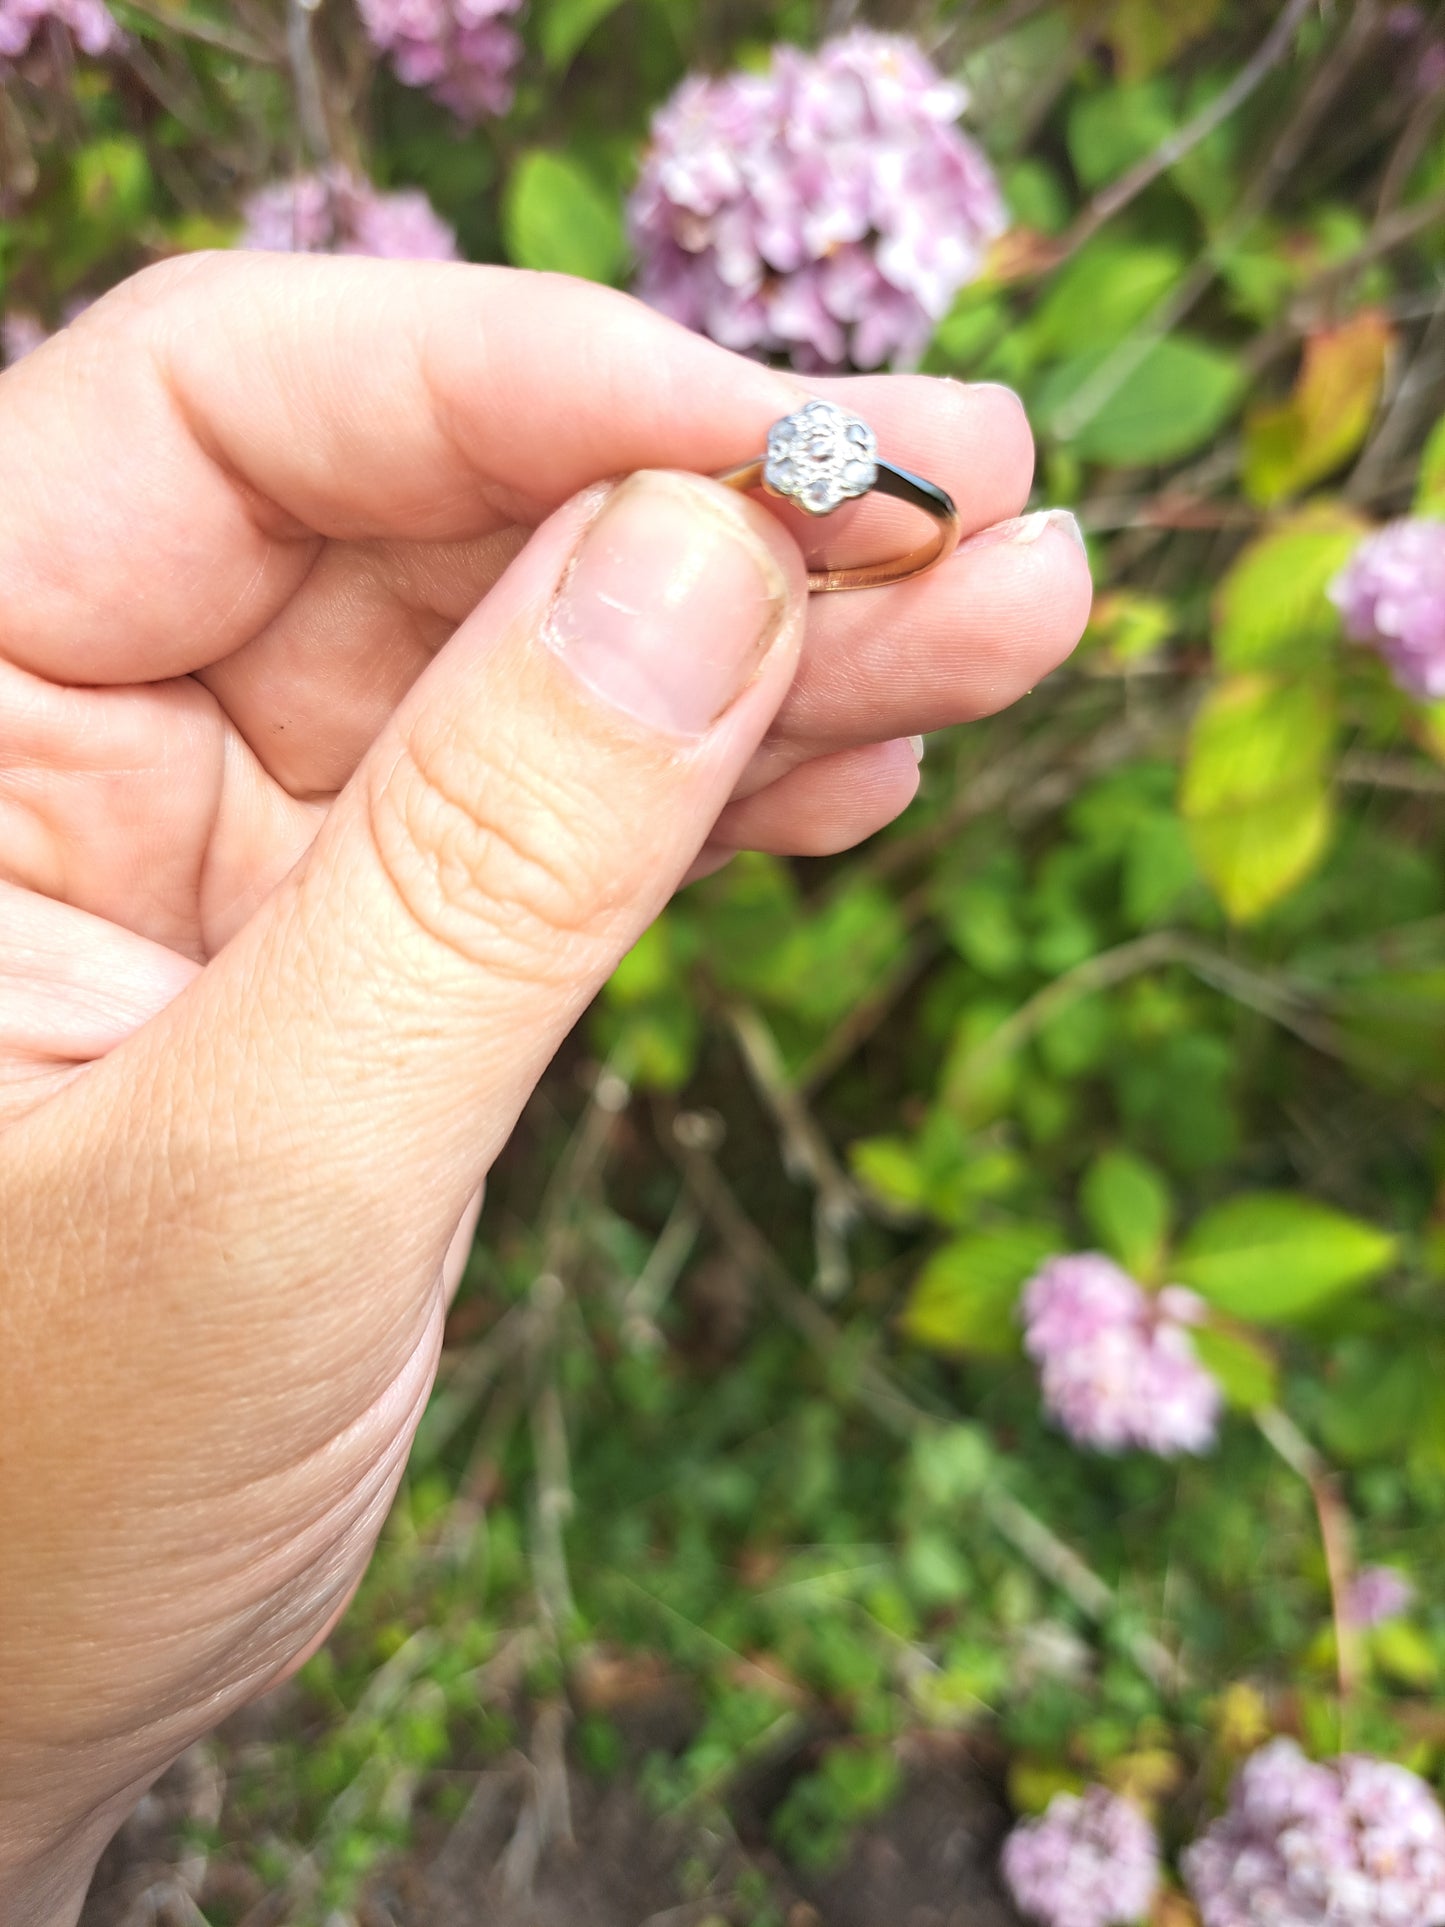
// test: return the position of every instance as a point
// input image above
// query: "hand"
(349, 734)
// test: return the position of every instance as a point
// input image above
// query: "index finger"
(225, 414)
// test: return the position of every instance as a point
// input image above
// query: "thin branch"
(1336, 1536)
(807, 1155)
(1365, 769)
(1113, 199)
(306, 79)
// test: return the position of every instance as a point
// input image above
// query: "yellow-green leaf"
(964, 1298)
(1402, 1650)
(1272, 611)
(1291, 444)
(1255, 788)
(1247, 1372)
(1275, 1256)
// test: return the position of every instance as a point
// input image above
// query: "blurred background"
(955, 1353)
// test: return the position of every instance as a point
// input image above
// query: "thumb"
(321, 1102)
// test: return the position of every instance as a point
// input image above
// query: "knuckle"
(495, 860)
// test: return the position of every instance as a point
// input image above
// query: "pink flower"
(1087, 1862)
(89, 23)
(1391, 594)
(1352, 1842)
(1117, 1364)
(335, 212)
(828, 210)
(1379, 1593)
(462, 51)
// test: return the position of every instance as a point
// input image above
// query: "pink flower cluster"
(462, 51)
(1378, 1594)
(1352, 1842)
(1089, 1861)
(89, 23)
(1117, 1364)
(828, 210)
(1391, 594)
(335, 212)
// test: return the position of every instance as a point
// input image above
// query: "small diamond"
(820, 456)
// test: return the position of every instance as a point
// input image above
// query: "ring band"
(820, 457)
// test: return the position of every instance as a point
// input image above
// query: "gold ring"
(821, 457)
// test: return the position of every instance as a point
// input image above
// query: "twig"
(1113, 199)
(807, 1155)
(873, 1388)
(306, 78)
(652, 1286)
(1416, 398)
(1368, 770)
(1280, 1003)
(1336, 1537)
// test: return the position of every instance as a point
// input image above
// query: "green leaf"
(1170, 401)
(1288, 445)
(1430, 489)
(1109, 130)
(1248, 1374)
(1098, 297)
(556, 218)
(563, 25)
(890, 1169)
(1275, 1256)
(964, 1298)
(1127, 1206)
(1272, 611)
(1255, 791)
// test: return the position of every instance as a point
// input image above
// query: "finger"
(277, 1164)
(825, 805)
(960, 643)
(233, 410)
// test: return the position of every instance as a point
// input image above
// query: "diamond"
(819, 457)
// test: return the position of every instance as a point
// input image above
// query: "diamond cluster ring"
(820, 457)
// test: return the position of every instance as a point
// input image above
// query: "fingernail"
(1022, 531)
(669, 604)
(915, 743)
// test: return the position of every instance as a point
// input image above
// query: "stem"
(1336, 1536)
